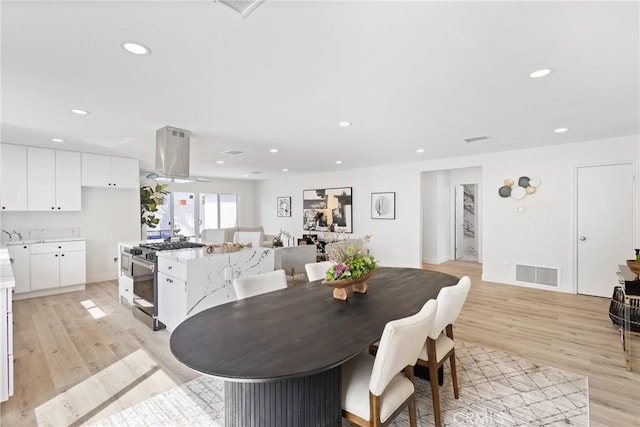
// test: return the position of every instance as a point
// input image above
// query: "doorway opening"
(466, 222)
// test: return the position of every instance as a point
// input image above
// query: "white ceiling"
(408, 75)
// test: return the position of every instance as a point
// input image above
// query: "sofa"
(221, 235)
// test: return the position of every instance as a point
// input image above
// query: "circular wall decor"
(504, 191)
(530, 189)
(534, 182)
(508, 182)
(523, 181)
(518, 193)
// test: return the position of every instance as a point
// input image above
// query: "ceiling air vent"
(256, 172)
(243, 7)
(476, 139)
(234, 152)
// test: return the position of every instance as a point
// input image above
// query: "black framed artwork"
(383, 205)
(284, 206)
(328, 209)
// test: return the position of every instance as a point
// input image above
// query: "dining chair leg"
(413, 418)
(433, 380)
(454, 374)
(452, 363)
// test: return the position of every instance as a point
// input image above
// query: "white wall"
(542, 235)
(436, 216)
(395, 242)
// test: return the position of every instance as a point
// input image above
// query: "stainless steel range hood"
(172, 155)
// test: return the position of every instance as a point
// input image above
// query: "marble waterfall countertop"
(6, 271)
(209, 277)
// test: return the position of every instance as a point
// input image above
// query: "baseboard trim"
(47, 292)
(435, 261)
(501, 280)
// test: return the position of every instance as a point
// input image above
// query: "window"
(179, 213)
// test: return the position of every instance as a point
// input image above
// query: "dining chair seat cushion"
(444, 344)
(356, 375)
(249, 286)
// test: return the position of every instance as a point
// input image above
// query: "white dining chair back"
(253, 237)
(211, 235)
(250, 286)
(316, 270)
(450, 302)
(374, 390)
(400, 345)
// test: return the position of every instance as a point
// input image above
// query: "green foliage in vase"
(150, 198)
(349, 262)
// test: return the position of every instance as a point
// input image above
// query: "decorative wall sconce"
(525, 186)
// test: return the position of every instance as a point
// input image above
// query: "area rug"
(496, 389)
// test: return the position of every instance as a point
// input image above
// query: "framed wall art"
(327, 209)
(284, 206)
(383, 205)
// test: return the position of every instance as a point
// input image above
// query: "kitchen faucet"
(17, 233)
(9, 234)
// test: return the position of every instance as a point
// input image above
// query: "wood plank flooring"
(71, 368)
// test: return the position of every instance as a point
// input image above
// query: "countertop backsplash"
(28, 234)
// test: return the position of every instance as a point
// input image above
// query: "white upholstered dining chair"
(316, 270)
(374, 389)
(439, 345)
(253, 237)
(249, 286)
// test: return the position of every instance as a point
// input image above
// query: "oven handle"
(144, 263)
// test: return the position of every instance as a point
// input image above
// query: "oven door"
(126, 264)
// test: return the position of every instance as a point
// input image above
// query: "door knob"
(582, 238)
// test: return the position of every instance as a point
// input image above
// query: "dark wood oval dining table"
(280, 353)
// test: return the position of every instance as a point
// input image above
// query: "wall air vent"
(476, 139)
(256, 172)
(242, 7)
(234, 152)
(537, 275)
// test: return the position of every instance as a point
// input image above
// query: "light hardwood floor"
(71, 368)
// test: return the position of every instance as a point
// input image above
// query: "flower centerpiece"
(350, 265)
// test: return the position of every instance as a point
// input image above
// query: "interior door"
(459, 221)
(604, 226)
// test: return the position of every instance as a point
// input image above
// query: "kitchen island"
(190, 280)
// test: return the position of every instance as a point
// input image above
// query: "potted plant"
(150, 198)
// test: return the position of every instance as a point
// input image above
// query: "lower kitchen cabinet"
(48, 266)
(21, 262)
(172, 300)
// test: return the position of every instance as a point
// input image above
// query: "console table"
(280, 353)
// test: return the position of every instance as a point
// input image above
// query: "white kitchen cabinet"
(68, 181)
(6, 344)
(109, 172)
(41, 179)
(172, 300)
(13, 196)
(57, 264)
(21, 263)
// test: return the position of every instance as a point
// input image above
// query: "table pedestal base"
(306, 401)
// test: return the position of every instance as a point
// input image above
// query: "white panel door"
(604, 226)
(459, 221)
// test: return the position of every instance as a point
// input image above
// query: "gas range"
(141, 264)
(171, 246)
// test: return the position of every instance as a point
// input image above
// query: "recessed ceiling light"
(220, 162)
(420, 150)
(80, 112)
(344, 124)
(136, 48)
(338, 162)
(57, 140)
(285, 170)
(541, 73)
(561, 130)
(245, 175)
(274, 150)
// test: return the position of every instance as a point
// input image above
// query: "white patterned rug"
(496, 389)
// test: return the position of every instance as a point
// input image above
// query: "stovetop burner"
(170, 246)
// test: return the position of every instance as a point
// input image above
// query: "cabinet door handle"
(56, 255)
(62, 255)
(170, 267)
(24, 247)
(58, 207)
(59, 247)
(52, 207)
(4, 207)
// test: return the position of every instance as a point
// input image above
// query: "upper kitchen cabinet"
(110, 172)
(13, 196)
(53, 180)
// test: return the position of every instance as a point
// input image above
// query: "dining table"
(280, 353)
